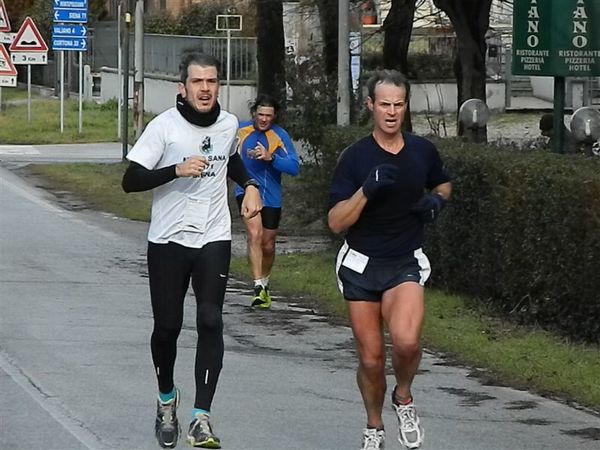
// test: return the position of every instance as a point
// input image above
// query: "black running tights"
(170, 268)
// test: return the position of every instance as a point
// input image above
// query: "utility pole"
(138, 79)
(343, 97)
(125, 105)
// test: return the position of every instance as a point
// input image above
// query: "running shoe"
(167, 427)
(373, 439)
(201, 434)
(410, 432)
(262, 298)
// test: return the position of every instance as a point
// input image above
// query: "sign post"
(7, 77)
(229, 23)
(28, 48)
(561, 39)
(69, 37)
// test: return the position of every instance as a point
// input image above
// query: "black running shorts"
(270, 216)
(378, 274)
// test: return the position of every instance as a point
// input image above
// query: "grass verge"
(99, 122)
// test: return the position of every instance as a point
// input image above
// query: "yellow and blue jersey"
(268, 174)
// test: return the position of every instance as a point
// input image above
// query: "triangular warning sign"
(28, 39)
(4, 22)
(7, 68)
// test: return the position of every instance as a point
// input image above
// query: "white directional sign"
(8, 71)
(4, 22)
(29, 57)
(7, 38)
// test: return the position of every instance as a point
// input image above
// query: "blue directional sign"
(77, 4)
(70, 15)
(69, 43)
(69, 30)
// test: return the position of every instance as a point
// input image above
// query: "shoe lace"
(372, 439)
(203, 425)
(167, 412)
(407, 415)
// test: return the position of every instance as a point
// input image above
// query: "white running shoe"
(410, 432)
(373, 439)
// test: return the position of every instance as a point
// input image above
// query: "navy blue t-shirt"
(386, 226)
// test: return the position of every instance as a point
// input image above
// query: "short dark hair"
(264, 100)
(546, 122)
(194, 56)
(387, 76)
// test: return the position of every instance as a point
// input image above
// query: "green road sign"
(556, 38)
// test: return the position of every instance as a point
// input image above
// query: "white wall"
(442, 97)
(543, 87)
(160, 92)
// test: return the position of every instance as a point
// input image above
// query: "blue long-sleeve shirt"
(268, 174)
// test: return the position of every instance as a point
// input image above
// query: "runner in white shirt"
(185, 155)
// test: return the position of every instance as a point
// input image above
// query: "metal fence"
(162, 53)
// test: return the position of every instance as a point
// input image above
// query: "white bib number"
(355, 261)
(195, 215)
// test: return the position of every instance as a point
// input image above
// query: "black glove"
(380, 176)
(428, 207)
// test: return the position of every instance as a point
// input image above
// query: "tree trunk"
(397, 28)
(470, 20)
(270, 51)
(328, 15)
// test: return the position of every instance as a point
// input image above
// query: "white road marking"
(48, 404)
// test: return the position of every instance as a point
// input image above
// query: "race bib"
(195, 215)
(355, 261)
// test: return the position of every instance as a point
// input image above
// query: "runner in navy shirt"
(385, 188)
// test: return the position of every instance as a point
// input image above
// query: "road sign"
(231, 22)
(7, 38)
(29, 57)
(69, 30)
(8, 81)
(557, 38)
(4, 22)
(81, 4)
(28, 39)
(7, 68)
(69, 43)
(70, 15)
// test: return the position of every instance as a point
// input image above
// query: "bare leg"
(268, 251)
(254, 233)
(403, 309)
(366, 321)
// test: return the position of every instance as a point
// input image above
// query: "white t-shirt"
(189, 211)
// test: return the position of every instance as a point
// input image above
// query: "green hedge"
(522, 234)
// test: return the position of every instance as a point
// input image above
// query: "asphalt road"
(76, 373)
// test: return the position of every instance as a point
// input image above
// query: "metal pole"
(29, 93)
(0, 100)
(343, 99)
(558, 132)
(228, 66)
(62, 91)
(119, 71)
(80, 92)
(124, 125)
(138, 84)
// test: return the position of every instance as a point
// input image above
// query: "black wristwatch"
(251, 182)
